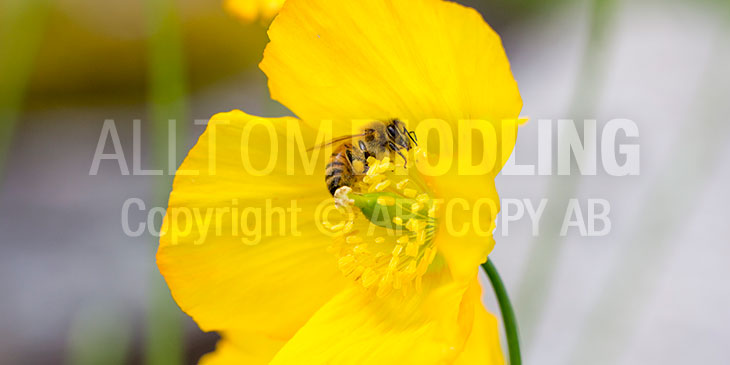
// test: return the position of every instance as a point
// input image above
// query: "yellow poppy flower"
(252, 10)
(255, 247)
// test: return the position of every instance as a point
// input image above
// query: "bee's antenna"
(413, 136)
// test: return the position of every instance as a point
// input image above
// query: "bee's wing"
(334, 141)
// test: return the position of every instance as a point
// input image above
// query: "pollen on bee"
(358, 166)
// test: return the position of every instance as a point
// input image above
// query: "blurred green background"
(75, 289)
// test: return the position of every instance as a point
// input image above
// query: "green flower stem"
(508, 314)
(167, 95)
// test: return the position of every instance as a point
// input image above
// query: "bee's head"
(399, 135)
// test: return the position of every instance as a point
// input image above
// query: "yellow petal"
(359, 328)
(483, 346)
(240, 347)
(220, 271)
(379, 59)
(467, 222)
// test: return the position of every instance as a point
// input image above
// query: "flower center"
(386, 240)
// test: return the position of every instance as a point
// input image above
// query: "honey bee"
(379, 139)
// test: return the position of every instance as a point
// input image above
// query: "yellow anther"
(412, 249)
(421, 237)
(393, 264)
(369, 277)
(411, 268)
(386, 285)
(386, 201)
(353, 239)
(423, 264)
(357, 272)
(373, 179)
(419, 284)
(432, 211)
(385, 167)
(346, 263)
(387, 278)
(393, 255)
(402, 184)
(380, 186)
(406, 289)
(423, 198)
(432, 255)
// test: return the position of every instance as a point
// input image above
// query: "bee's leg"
(405, 161)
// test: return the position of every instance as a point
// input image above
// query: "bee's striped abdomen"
(339, 171)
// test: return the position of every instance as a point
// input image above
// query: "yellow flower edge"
(283, 298)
